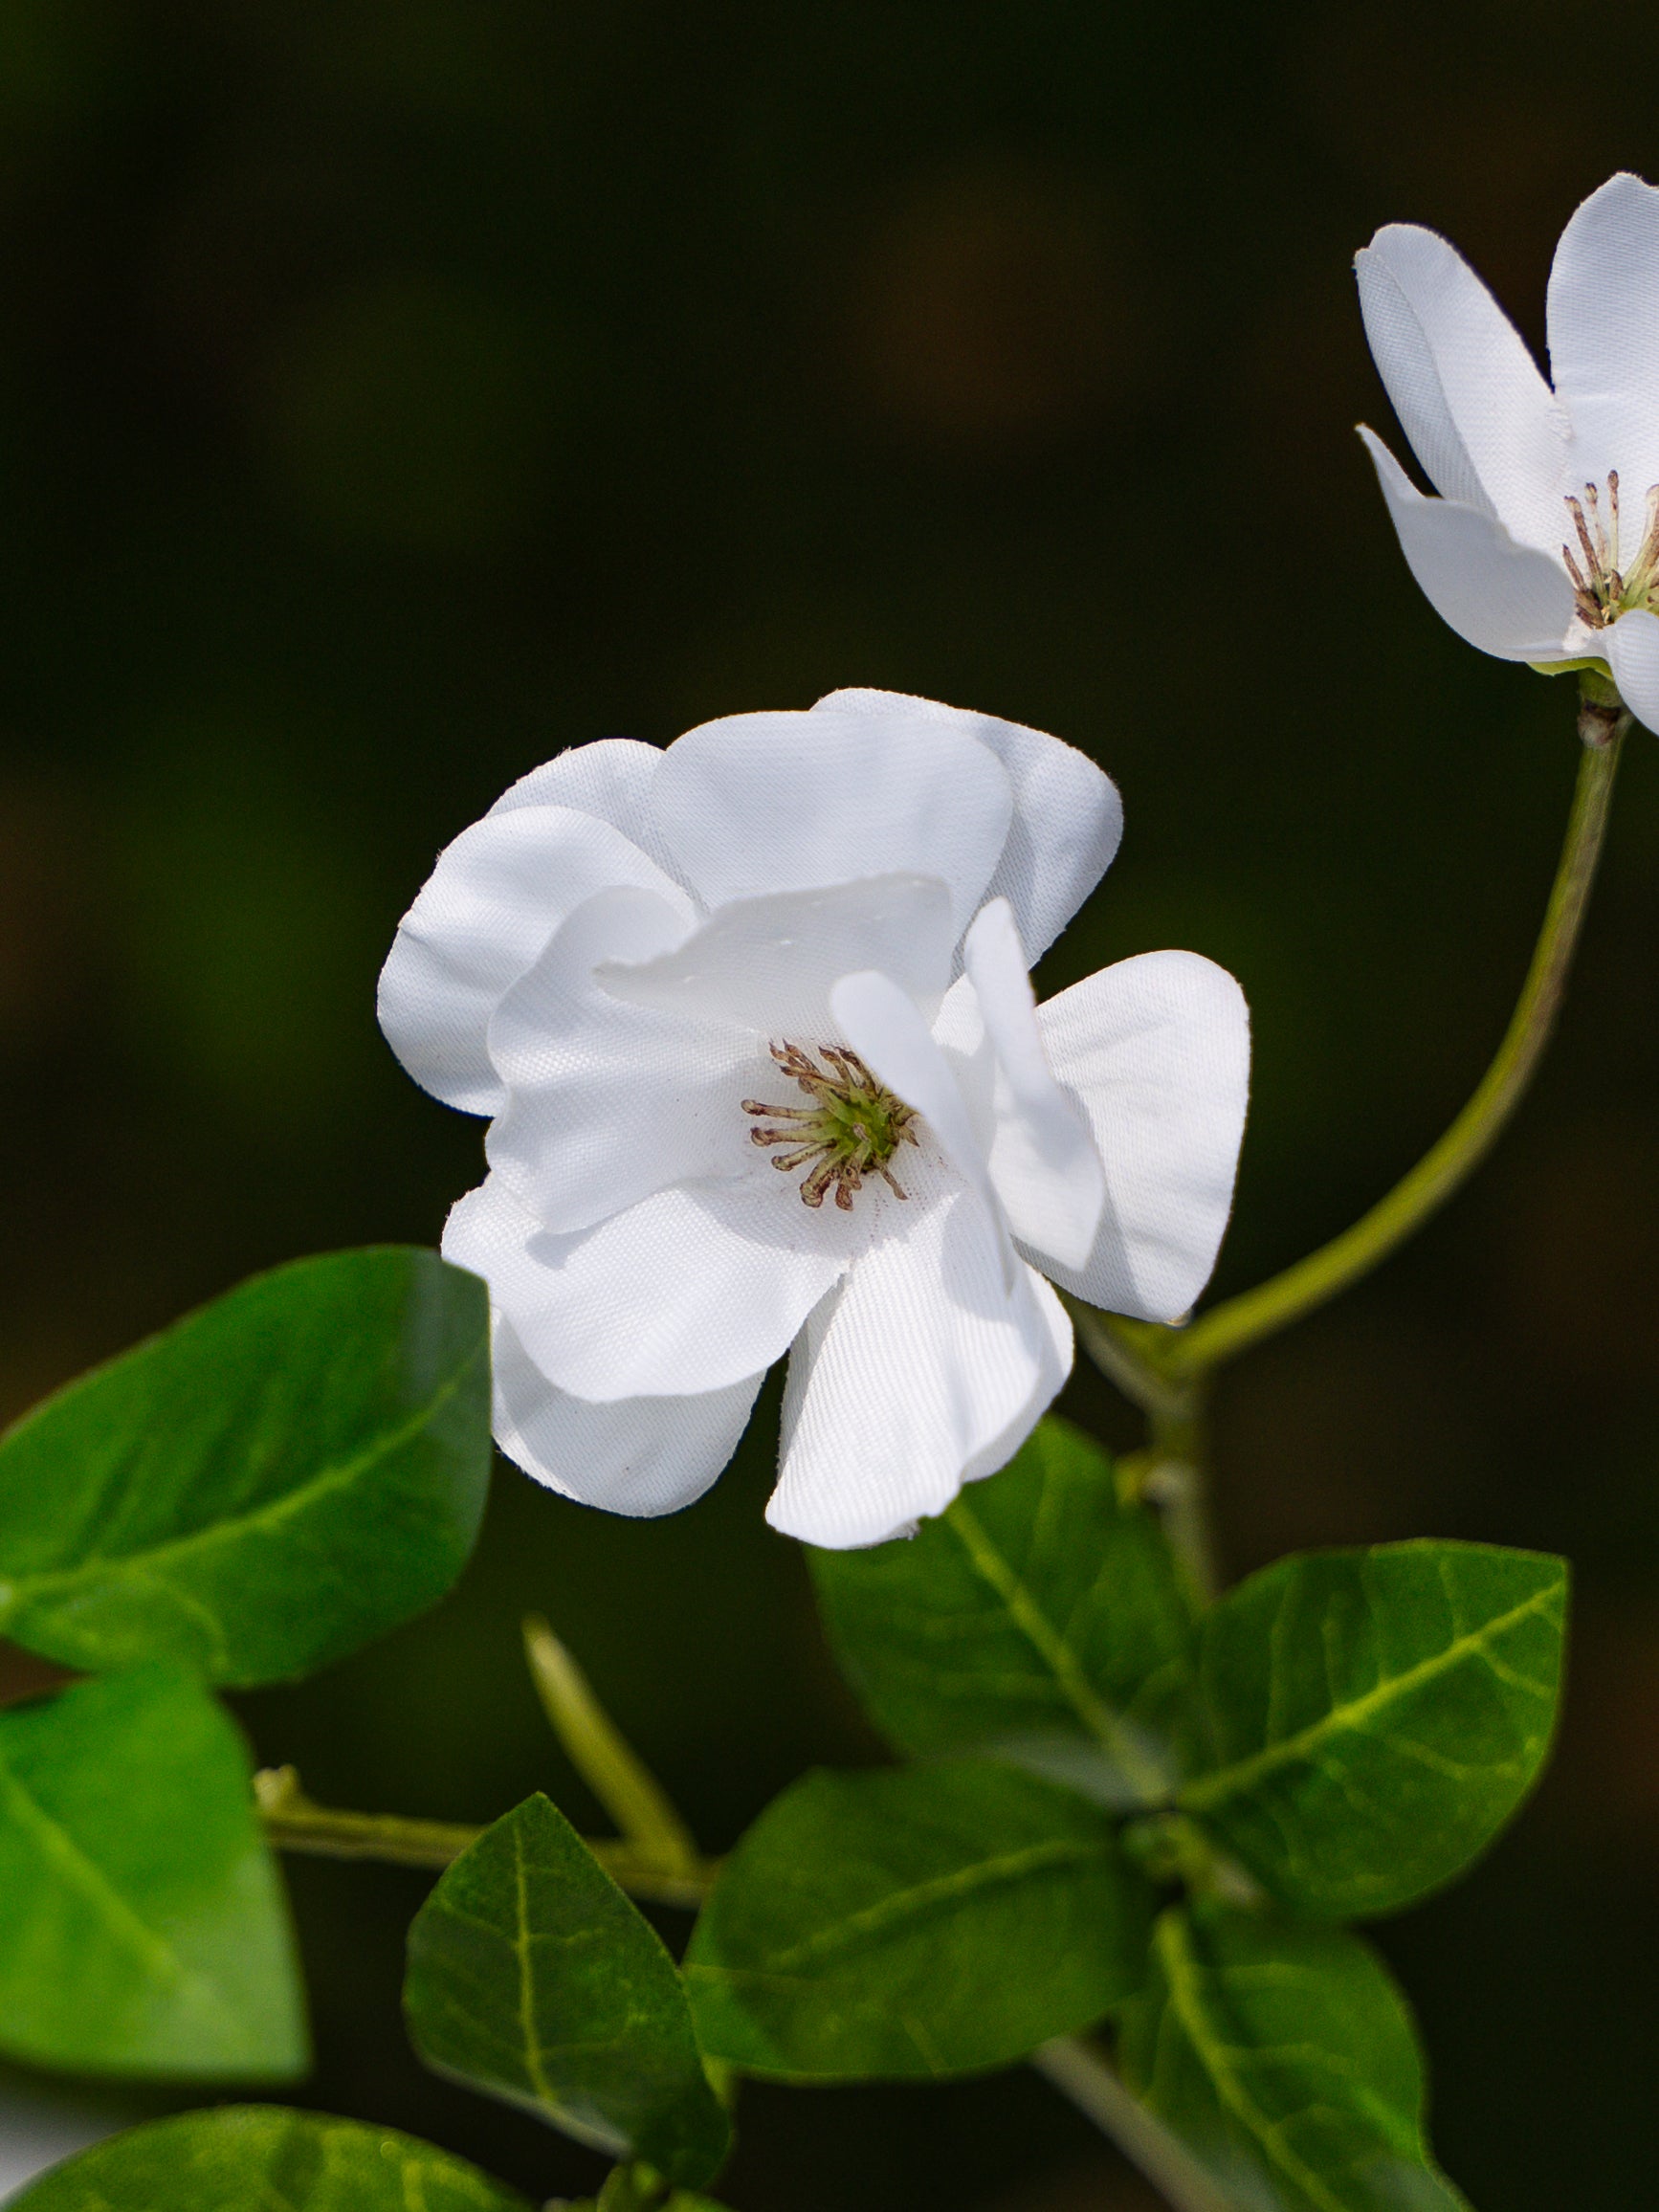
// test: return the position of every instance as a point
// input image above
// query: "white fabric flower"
(1545, 544)
(798, 941)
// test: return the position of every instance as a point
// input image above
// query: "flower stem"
(1080, 2072)
(1230, 1327)
(294, 1822)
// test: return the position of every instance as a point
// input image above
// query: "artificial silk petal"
(1157, 1052)
(1504, 414)
(1405, 363)
(768, 963)
(920, 1368)
(1603, 325)
(1632, 650)
(1067, 817)
(791, 801)
(610, 778)
(1507, 599)
(1043, 1160)
(483, 914)
(606, 1102)
(639, 1456)
(693, 1289)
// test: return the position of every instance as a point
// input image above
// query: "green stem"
(1080, 2072)
(294, 1822)
(1229, 1328)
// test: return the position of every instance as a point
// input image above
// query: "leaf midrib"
(1207, 1790)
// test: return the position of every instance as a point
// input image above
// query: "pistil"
(1601, 591)
(852, 1128)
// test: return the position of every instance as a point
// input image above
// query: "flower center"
(852, 1129)
(1602, 589)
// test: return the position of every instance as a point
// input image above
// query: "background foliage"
(389, 396)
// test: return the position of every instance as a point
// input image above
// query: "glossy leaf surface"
(265, 1486)
(913, 1923)
(1285, 2059)
(1370, 1719)
(263, 2159)
(142, 1927)
(533, 1977)
(1037, 1618)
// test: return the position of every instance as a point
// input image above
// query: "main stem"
(1080, 2072)
(1225, 1331)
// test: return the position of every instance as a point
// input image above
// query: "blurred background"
(391, 395)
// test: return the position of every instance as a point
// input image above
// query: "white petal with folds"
(1157, 1052)
(790, 802)
(1507, 599)
(639, 1456)
(484, 914)
(610, 778)
(1632, 650)
(1043, 1160)
(606, 1102)
(1067, 817)
(1604, 324)
(1504, 414)
(1405, 363)
(691, 1290)
(915, 1376)
(767, 963)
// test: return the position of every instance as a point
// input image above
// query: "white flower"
(669, 975)
(1544, 546)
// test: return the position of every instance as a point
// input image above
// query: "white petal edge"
(794, 801)
(1632, 650)
(690, 1291)
(1504, 598)
(920, 1374)
(1157, 1052)
(1603, 325)
(493, 898)
(1067, 818)
(612, 778)
(1043, 1160)
(1505, 416)
(637, 1457)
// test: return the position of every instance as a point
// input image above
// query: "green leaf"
(263, 2159)
(1285, 2059)
(533, 1977)
(263, 1486)
(1037, 1619)
(1370, 1719)
(143, 1928)
(913, 1923)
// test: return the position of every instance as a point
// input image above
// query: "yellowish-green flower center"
(1602, 588)
(852, 1129)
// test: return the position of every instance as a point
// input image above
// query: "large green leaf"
(263, 1486)
(143, 1928)
(1285, 2059)
(263, 2159)
(912, 1923)
(533, 1977)
(1370, 1719)
(1038, 1618)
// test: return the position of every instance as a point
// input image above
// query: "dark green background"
(394, 391)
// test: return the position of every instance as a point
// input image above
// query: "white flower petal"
(1043, 1160)
(1502, 413)
(1632, 650)
(689, 1290)
(767, 963)
(920, 1373)
(1603, 325)
(883, 1026)
(640, 1456)
(1507, 599)
(1157, 1050)
(606, 1102)
(1067, 817)
(610, 778)
(790, 802)
(494, 899)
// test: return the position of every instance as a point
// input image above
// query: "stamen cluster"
(852, 1128)
(1601, 591)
